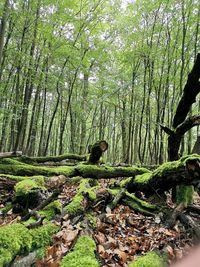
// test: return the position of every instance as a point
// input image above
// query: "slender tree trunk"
(3, 29)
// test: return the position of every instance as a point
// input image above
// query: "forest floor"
(120, 234)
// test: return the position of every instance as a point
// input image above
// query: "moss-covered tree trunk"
(182, 124)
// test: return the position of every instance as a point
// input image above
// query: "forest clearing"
(99, 133)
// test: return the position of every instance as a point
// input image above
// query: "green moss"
(40, 179)
(141, 202)
(27, 186)
(184, 159)
(92, 220)
(151, 259)
(184, 194)
(138, 204)
(16, 239)
(13, 239)
(76, 205)
(82, 255)
(107, 171)
(11, 161)
(21, 169)
(173, 165)
(85, 188)
(143, 178)
(167, 166)
(42, 236)
(52, 209)
(125, 182)
(6, 208)
(13, 177)
(113, 191)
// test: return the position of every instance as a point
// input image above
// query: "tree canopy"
(73, 72)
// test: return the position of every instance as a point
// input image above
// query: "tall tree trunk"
(3, 29)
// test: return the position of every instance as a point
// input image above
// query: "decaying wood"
(10, 154)
(96, 151)
(170, 223)
(54, 158)
(194, 208)
(117, 198)
(38, 222)
(187, 175)
(189, 222)
(25, 261)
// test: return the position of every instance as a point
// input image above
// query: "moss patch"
(82, 255)
(151, 259)
(27, 186)
(138, 204)
(184, 194)
(11, 161)
(52, 209)
(22, 169)
(143, 178)
(16, 239)
(85, 187)
(6, 208)
(107, 171)
(166, 167)
(92, 220)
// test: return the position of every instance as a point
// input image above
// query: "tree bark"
(97, 150)
(3, 28)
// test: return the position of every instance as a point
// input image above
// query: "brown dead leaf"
(100, 250)
(121, 254)
(100, 238)
(170, 251)
(71, 235)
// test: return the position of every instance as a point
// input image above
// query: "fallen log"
(53, 158)
(185, 171)
(10, 154)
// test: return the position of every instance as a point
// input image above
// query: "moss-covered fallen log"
(98, 172)
(53, 158)
(86, 171)
(83, 254)
(185, 171)
(23, 169)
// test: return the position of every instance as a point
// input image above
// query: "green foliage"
(137, 55)
(82, 254)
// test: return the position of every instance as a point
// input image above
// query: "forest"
(99, 133)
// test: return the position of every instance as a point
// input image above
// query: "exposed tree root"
(189, 223)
